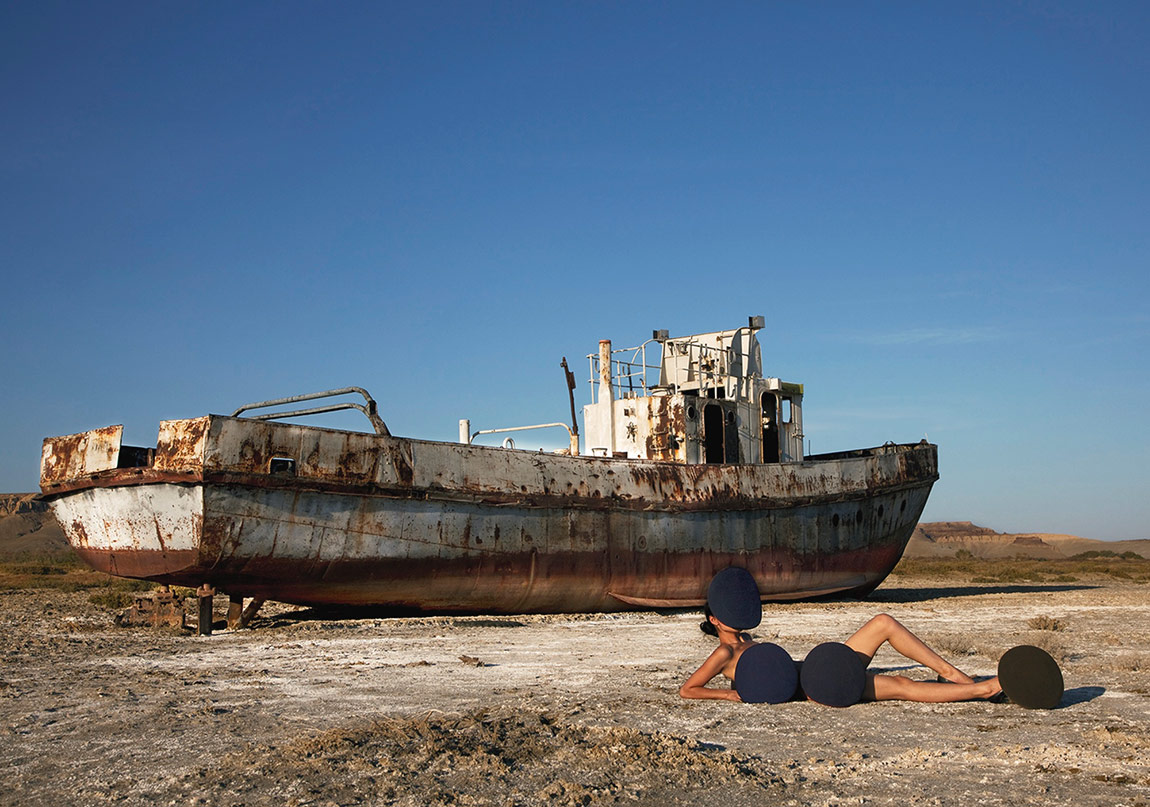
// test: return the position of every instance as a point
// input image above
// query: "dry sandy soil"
(304, 709)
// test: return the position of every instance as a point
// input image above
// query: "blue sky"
(941, 210)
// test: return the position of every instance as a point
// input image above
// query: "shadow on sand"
(1073, 697)
(337, 613)
(334, 613)
(920, 593)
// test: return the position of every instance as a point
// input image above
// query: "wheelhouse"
(705, 402)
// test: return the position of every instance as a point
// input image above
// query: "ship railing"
(709, 366)
(629, 372)
(368, 408)
(467, 436)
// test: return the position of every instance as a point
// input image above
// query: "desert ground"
(303, 708)
(316, 708)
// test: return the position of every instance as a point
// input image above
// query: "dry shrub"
(1044, 622)
(1135, 662)
(114, 600)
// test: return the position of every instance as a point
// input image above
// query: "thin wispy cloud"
(930, 336)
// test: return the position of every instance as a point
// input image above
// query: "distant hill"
(943, 539)
(27, 525)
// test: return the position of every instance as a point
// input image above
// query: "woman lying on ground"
(866, 641)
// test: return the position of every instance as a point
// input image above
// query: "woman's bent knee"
(884, 621)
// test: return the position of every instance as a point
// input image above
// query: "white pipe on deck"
(606, 393)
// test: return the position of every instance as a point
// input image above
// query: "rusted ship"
(689, 464)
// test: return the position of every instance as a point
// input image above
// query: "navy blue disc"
(833, 675)
(734, 599)
(766, 674)
(1030, 677)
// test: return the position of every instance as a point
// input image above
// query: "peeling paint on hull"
(376, 520)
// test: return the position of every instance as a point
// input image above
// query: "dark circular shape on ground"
(766, 674)
(833, 675)
(1030, 677)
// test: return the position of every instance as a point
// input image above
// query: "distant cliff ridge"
(13, 503)
(942, 539)
(27, 525)
(954, 530)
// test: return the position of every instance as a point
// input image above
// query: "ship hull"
(419, 526)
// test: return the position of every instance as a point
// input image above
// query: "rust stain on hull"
(141, 565)
(521, 583)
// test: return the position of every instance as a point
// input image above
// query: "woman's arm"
(696, 685)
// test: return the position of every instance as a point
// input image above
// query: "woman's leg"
(885, 628)
(901, 688)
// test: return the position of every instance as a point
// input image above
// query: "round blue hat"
(766, 674)
(1030, 677)
(734, 599)
(833, 675)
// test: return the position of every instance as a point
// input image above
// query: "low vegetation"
(63, 571)
(1106, 553)
(969, 568)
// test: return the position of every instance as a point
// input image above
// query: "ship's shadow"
(348, 613)
(894, 594)
(900, 594)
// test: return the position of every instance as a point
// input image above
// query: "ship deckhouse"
(705, 402)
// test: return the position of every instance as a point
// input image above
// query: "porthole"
(282, 465)
(692, 413)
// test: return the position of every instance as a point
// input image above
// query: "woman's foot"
(993, 690)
